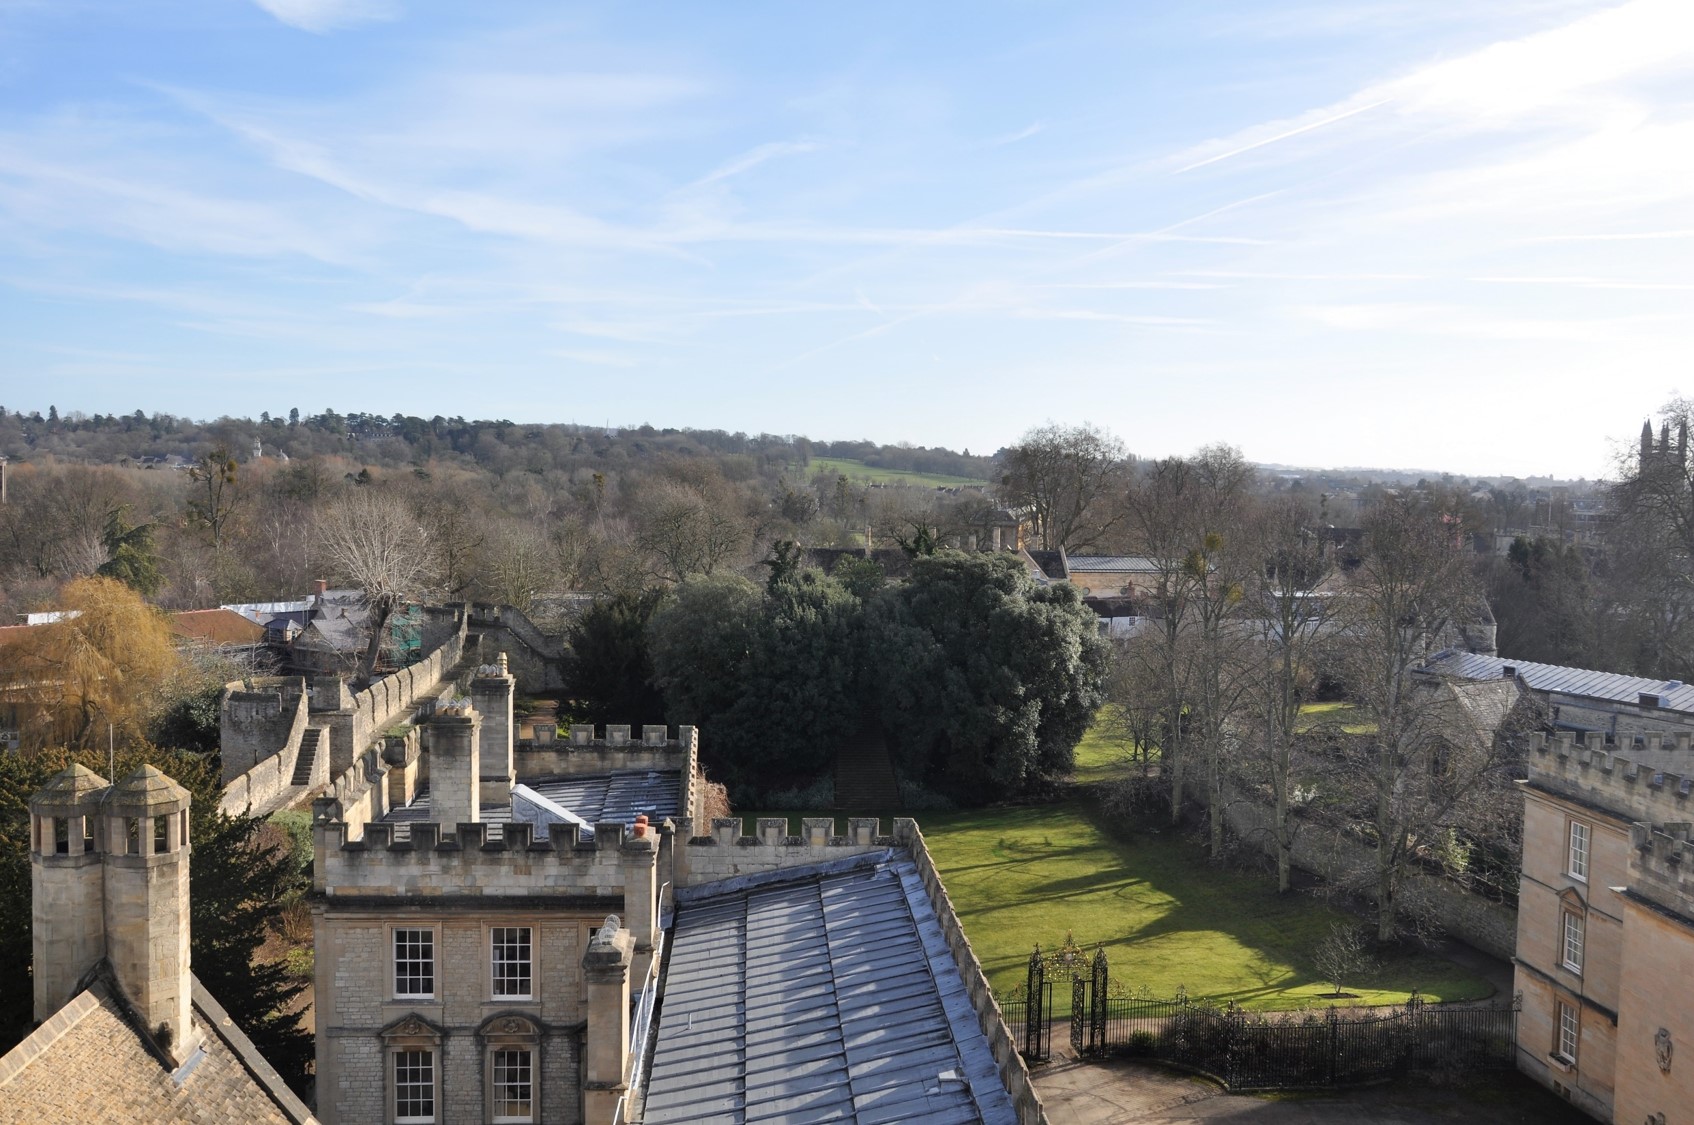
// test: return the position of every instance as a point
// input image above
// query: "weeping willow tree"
(103, 662)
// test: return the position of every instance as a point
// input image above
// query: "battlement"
(1588, 770)
(726, 854)
(1662, 865)
(617, 737)
(467, 859)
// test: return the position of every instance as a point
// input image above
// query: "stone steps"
(308, 756)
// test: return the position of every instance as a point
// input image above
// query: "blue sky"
(1336, 232)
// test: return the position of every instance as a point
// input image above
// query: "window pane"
(514, 1095)
(414, 1085)
(510, 959)
(1567, 1031)
(414, 962)
(1579, 850)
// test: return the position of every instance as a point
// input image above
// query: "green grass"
(1166, 917)
(860, 473)
(1349, 717)
(1102, 758)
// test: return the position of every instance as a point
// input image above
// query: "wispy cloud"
(320, 16)
(751, 159)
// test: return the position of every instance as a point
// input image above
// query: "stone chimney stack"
(146, 869)
(68, 885)
(605, 968)
(491, 695)
(455, 782)
(640, 855)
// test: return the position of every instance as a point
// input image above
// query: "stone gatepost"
(605, 967)
(68, 909)
(146, 862)
(455, 781)
(491, 695)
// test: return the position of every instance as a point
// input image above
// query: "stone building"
(491, 922)
(126, 1033)
(1605, 950)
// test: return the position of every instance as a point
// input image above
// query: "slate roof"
(88, 1062)
(1613, 686)
(1112, 564)
(818, 994)
(621, 795)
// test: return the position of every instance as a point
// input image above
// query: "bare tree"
(688, 530)
(1286, 595)
(1158, 507)
(1069, 477)
(216, 495)
(374, 540)
(1433, 752)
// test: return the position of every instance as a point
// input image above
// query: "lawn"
(1166, 917)
(1103, 758)
(1350, 719)
(861, 473)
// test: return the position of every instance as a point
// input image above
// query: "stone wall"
(360, 719)
(532, 656)
(726, 853)
(1335, 856)
(259, 732)
(583, 752)
(258, 719)
(1013, 1072)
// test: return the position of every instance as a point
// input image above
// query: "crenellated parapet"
(725, 853)
(1661, 867)
(584, 750)
(467, 859)
(1591, 771)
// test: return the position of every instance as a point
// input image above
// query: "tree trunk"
(381, 610)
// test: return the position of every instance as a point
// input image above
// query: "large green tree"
(985, 681)
(607, 668)
(770, 677)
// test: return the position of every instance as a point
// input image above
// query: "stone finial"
(608, 929)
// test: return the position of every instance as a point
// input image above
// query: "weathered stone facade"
(1605, 948)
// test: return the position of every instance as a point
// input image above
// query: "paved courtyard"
(1087, 1093)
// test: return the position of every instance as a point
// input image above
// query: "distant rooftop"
(1113, 564)
(819, 994)
(621, 796)
(1615, 686)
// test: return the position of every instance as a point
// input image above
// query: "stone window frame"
(511, 1031)
(434, 932)
(411, 1032)
(1567, 1031)
(1575, 856)
(488, 933)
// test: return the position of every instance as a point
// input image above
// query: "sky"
(1398, 233)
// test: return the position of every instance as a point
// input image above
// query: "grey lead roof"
(621, 795)
(1616, 686)
(825, 996)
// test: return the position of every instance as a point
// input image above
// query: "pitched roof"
(820, 994)
(216, 626)
(1112, 564)
(89, 1062)
(1614, 686)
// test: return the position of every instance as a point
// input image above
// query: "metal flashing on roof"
(1615, 687)
(824, 996)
